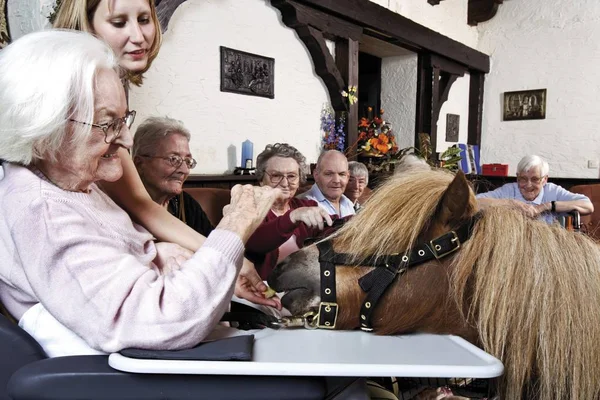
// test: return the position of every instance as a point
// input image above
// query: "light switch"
(592, 163)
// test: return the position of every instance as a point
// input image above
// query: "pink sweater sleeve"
(97, 281)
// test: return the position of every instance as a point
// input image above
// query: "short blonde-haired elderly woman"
(65, 245)
(534, 195)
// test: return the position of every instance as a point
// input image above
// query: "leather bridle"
(388, 267)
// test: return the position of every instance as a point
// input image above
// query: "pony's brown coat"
(528, 292)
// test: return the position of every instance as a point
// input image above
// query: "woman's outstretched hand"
(248, 208)
(250, 287)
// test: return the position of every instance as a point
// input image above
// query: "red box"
(495, 169)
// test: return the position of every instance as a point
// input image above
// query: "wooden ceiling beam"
(482, 10)
(411, 34)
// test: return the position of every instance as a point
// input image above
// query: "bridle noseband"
(388, 267)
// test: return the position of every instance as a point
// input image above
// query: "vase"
(375, 163)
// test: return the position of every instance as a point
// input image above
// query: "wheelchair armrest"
(576, 218)
(90, 377)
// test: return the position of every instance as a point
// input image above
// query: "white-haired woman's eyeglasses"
(112, 129)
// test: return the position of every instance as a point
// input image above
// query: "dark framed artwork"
(4, 33)
(524, 104)
(247, 73)
(452, 124)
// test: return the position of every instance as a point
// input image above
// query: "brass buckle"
(435, 251)
(326, 308)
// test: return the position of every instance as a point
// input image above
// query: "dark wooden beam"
(324, 64)
(435, 79)
(424, 96)
(412, 35)
(446, 81)
(327, 24)
(475, 108)
(165, 10)
(346, 58)
(482, 10)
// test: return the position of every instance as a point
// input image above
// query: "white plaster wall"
(26, 16)
(184, 83)
(448, 18)
(398, 96)
(539, 44)
(457, 103)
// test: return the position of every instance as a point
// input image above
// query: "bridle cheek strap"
(377, 281)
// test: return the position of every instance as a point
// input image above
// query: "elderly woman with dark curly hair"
(290, 220)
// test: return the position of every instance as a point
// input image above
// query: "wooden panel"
(482, 10)
(476, 86)
(346, 57)
(324, 64)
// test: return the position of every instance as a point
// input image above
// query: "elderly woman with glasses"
(75, 268)
(534, 195)
(161, 154)
(290, 220)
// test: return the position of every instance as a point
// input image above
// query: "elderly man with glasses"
(161, 154)
(533, 195)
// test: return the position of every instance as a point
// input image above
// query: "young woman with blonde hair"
(131, 28)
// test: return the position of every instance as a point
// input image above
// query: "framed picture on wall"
(247, 73)
(524, 104)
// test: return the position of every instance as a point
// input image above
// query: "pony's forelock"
(404, 200)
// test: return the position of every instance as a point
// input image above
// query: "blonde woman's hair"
(78, 14)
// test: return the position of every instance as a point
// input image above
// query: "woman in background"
(290, 220)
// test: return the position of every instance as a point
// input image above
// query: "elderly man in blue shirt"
(331, 177)
(534, 195)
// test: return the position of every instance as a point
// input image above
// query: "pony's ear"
(455, 203)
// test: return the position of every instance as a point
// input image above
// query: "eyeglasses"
(535, 180)
(112, 130)
(176, 161)
(276, 178)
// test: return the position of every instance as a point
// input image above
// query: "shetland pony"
(526, 292)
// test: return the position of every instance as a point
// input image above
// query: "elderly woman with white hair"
(68, 252)
(534, 195)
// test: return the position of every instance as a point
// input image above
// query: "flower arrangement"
(375, 137)
(334, 137)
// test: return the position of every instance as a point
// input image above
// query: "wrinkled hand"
(170, 257)
(311, 216)
(248, 208)
(249, 286)
(529, 210)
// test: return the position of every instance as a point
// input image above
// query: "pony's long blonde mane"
(534, 295)
(531, 289)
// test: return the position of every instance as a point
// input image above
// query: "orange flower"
(383, 148)
(362, 136)
(384, 139)
(363, 123)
